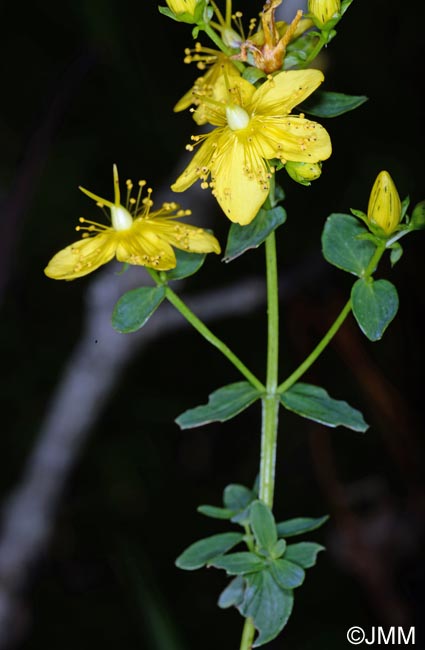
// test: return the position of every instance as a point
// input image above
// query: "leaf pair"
(309, 401)
(266, 574)
(348, 245)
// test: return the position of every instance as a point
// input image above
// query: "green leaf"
(135, 308)
(243, 238)
(263, 525)
(328, 104)
(201, 552)
(374, 306)
(238, 563)
(342, 247)
(314, 403)
(304, 554)
(233, 594)
(396, 253)
(299, 50)
(187, 264)
(237, 497)
(215, 513)
(417, 222)
(223, 404)
(299, 525)
(287, 574)
(252, 74)
(267, 604)
(278, 549)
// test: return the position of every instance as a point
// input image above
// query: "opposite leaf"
(287, 574)
(304, 554)
(374, 306)
(135, 308)
(187, 264)
(267, 604)
(314, 403)
(222, 405)
(233, 594)
(200, 553)
(328, 104)
(238, 563)
(299, 525)
(263, 525)
(342, 247)
(243, 238)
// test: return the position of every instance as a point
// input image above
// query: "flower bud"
(323, 11)
(384, 209)
(182, 6)
(303, 173)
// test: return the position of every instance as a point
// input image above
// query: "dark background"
(86, 84)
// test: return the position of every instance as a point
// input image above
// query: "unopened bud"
(182, 6)
(323, 11)
(303, 173)
(384, 209)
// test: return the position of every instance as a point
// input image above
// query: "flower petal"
(142, 247)
(200, 163)
(182, 235)
(82, 257)
(279, 94)
(240, 179)
(301, 140)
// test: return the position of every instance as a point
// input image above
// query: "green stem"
(221, 46)
(247, 635)
(321, 42)
(290, 381)
(270, 403)
(210, 337)
(295, 376)
(271, 400)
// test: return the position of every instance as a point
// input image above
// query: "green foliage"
(239, 563)
(268, 572)
(223, 404)
(263, 526)
(299, 525)
(202, 552)
(299, 50)
(243, 238)
(375, 303)
(187, 264)
(135, 308)
(267, 604)
(314, 403)
(304, 553)
(342, 245)
(329, 104)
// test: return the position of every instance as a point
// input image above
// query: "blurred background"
(99, 487)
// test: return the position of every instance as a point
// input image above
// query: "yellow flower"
(136, 236)
(219, 64)
(254, 126)
(384, 209)
(182, 6)
(323, 11)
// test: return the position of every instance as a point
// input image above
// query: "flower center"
(121, 218)
(237, 117)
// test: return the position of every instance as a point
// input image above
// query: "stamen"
(129, 185)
